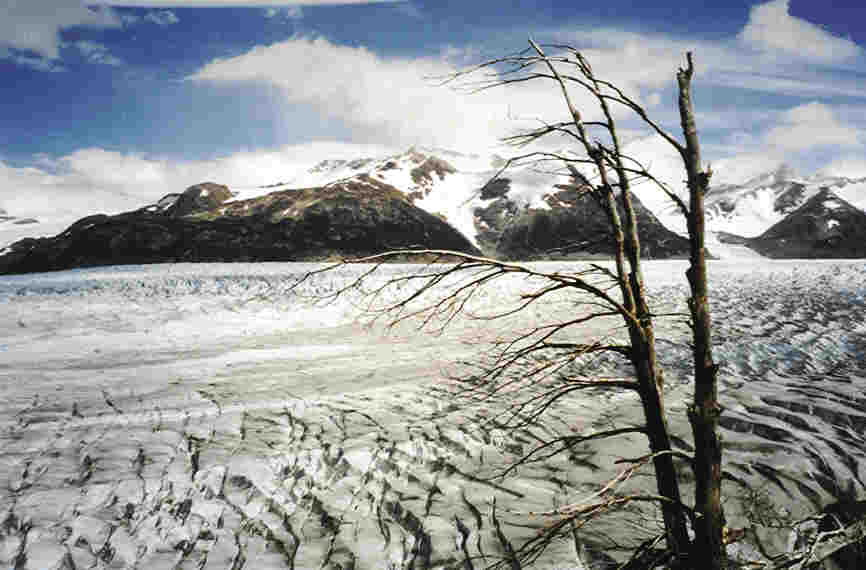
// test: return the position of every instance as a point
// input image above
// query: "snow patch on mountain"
(750, 208)
(443, 182)
(746, 197)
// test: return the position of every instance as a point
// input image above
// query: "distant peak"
(784, 172)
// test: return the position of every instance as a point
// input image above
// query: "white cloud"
(34, 25)
(239, 3)
(772, 29)
(87, 181)
(162, 17)
(393, 99)
(288, 12)
(852, 166)
(35, 62)
(128, 18)
(804, 136)
(96, 53)
(650, 60)
(793, 80)
(740, 168)
(811, 126)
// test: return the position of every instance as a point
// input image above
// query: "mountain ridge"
(824, 226)
(531, 211)
(350, 218)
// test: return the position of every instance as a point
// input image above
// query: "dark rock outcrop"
(354, 217)
(428, 167)
(788, 199)
(424, 175)
(825, 226)
(838, 516)
(572, 226)
(199, 198)
(496, 188)
(5, 217)
(733, 239)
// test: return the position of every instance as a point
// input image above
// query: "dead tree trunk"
(644, 358)
(708, 550)
(642, 352)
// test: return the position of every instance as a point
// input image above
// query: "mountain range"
(753, 207)
(6, 219)
(441, 199)
(507, 214)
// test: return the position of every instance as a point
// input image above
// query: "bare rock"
(355, 217)
(199, 198)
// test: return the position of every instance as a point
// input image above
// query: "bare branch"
(465, 263)
(565, 443)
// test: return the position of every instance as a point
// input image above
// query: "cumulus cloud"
(384, 98)
(30, 31)
(805, 136)
(34, 26)
(773, 30)
(644, 59)
(162, 17)
(811, 126)
(96, 53)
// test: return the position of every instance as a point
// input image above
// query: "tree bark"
(649, 376)
(708, 550)
(643, 355)
(652, 399)
(645, 362)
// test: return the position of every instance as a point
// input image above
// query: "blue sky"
(108, 106)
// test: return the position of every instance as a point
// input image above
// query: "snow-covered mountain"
(825, 226)
(529, 209)
(463, 190)
(442, 182)
(522, 212)
(751, 208)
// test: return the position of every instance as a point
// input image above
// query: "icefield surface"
(229, 416)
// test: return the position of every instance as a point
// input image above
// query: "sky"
(106, 107)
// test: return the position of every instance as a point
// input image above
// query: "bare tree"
(438, 293)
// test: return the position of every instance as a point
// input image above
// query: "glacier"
(219, 416)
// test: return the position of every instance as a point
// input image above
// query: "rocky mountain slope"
(825, 226)
(534, 211)
(368, 205)
(527, 212)
(570, 224)
(751, 208)
(355, 217)
(357, 207)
